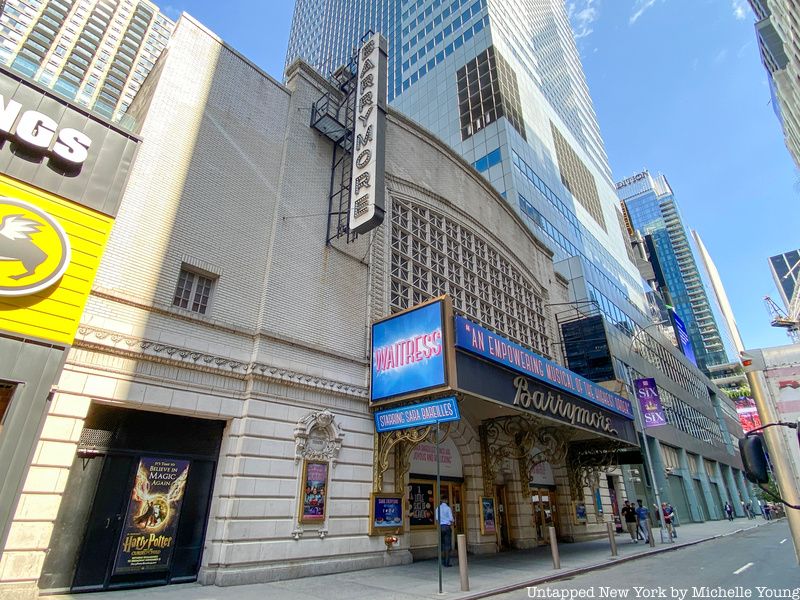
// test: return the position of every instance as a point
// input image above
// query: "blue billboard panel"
(479, 340)
(408, 353)
(684, 343)
(417, 415)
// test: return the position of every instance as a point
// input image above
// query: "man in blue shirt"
(444, 516)
(642, 515)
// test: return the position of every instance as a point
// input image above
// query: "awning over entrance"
(518, 394)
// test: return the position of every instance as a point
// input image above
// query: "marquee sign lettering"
(545, 401)
(40, 133)
(408, 353)
(526, 394)
(367, 183)
(486, 344)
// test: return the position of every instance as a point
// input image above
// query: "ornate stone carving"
(318, 436)
(405, 440)
(587, 460)
(93, 338)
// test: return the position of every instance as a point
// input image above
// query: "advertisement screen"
(748, 414)
(684, 343)
(408, 353)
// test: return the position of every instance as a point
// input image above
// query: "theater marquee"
(412, 353)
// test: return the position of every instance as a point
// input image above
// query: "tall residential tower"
(650, 207)
(776, 30)
(95, 52)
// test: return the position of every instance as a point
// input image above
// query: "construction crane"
(779, 318)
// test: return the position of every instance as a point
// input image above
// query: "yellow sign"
(50, 249)
(34, 249)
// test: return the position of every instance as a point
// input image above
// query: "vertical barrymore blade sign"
(369, 138)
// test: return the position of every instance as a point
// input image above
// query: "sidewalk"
(490, 574)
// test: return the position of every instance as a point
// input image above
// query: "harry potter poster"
(148, 534)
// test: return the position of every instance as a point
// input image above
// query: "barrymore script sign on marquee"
(484, 343)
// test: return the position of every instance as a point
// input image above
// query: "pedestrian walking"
(642, 516)
(674, 519)
(729, 511)
(667, 512)
(767, 512)
(444, 515)
(629, 515)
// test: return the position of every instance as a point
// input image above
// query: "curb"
(596, 566)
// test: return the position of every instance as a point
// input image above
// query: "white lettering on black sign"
(37, 131)
(367, 180)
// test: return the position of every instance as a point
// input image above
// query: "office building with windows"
(96, 53)
(502, 84)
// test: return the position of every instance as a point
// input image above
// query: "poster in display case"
(386, 514)
(315, 492)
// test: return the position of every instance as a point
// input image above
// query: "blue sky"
(678, 88)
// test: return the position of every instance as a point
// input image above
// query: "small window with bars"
(193, 291)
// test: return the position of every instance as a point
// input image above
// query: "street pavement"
(488, 575)
(759, 563)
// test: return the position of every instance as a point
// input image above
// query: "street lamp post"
(648, 458)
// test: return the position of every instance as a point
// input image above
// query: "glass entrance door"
(502, 517)
(544, 506)
(453, 492)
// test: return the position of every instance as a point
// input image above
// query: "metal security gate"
(678, 499)
(705, 511)
(136, 504)
(717, 498)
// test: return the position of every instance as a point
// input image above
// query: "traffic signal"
(754, 459)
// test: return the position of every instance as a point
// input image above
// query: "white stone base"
(278, 571)
(18, 591)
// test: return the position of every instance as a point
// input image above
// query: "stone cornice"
(129, 346)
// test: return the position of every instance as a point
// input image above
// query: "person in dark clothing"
(629, 515)
(729, 511)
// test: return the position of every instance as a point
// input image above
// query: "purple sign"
(683, 337)
(650, 401)
(484, 343)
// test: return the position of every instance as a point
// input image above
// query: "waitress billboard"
(409, 353)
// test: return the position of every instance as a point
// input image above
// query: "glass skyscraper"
(500, 81)
(502, 84)
(650, 206)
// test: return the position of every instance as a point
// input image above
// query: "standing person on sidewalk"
(629, 514)
(668, 514)
(642, 515)
(729, 511)
(444, 516)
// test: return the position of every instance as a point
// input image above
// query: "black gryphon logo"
(16, 243)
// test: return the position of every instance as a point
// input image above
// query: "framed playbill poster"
(315, 492)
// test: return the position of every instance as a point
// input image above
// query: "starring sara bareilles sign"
(410, 354)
